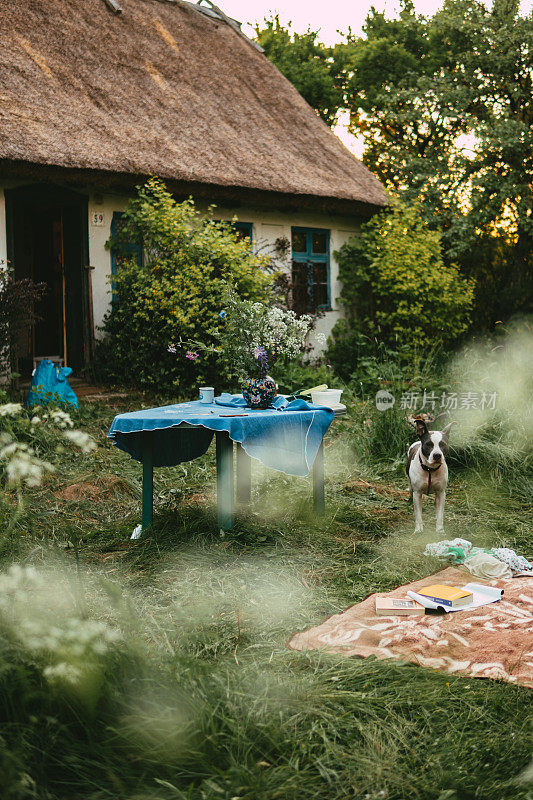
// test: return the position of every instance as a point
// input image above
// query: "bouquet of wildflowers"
(252, 337)
(255, 336)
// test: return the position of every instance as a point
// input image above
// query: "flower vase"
(259, 392)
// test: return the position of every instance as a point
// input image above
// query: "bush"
(175, 294)
(17, 313)
(359, 358)
(397, 291)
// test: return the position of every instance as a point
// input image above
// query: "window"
(122, 250)
(244, 230)
(310, 269)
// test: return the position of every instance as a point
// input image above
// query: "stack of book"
(448, 596)
(451, 596)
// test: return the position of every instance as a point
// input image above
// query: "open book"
(482, 596)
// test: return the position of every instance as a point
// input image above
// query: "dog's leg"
(440, 497)
(417, 502)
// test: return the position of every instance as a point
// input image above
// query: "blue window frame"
(122, 250)
(310, 269)
(244, 229)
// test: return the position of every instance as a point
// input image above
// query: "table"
(290, 440)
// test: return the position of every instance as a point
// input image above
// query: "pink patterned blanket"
(494, 641)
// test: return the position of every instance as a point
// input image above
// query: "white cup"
(207, 394)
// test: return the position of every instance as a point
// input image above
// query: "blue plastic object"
(50, 385)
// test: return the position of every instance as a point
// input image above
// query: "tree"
(445, 108)
(445, 105)
(307, 63)
(397, 290)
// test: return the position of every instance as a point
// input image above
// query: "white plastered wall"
(268, 226)
(101, 208)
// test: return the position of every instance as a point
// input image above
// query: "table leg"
(148, 479)
(225, 502)
(319, 500)
(244, 475)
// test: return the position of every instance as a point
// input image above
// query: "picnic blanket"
(286, 439)
(494, 641)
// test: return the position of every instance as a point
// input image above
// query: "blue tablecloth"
(285, 439)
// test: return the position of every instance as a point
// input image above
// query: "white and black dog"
(427, 470)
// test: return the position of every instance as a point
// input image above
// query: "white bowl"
(327, 397)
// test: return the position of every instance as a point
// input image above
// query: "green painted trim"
(148, 479)
(315, 258)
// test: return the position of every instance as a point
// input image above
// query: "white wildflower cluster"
(10, 410)
(281, 330)
(21, 463)
(67, 643)
(82, 440)
(59, 418)
(16, 582)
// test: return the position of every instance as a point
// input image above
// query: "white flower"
(22, 465)
(61, 419)
(10, 410)
(62, 672)
(82, 440)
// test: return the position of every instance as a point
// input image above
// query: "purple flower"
(191, 356)
(172, 348)
(258, 352)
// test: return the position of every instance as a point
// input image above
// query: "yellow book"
(447, 595)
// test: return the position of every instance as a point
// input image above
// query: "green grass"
(200, 698)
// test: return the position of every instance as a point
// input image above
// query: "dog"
(427, 470)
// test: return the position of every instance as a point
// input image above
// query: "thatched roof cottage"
(95, 95)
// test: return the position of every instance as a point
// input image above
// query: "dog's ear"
(446, 431)
(421, 427)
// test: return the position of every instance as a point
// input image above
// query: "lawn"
(196, 695)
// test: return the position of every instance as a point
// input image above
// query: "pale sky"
(328, 16)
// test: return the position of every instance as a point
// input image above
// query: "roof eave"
(85, 179)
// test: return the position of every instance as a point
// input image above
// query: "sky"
(328, 16)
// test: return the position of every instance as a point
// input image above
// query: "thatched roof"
(165, 89)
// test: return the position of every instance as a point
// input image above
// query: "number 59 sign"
(97, 218)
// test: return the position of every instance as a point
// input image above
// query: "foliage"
(353, 355)
(306, 63)
(176, 294)
(396, 288)
(17, 312)
(444, 105)
(27, 441)
(254, 337)
(294, 375)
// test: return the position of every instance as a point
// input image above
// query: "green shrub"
(293, 376)
(397, 292)
(359, 358)
(176, 293)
